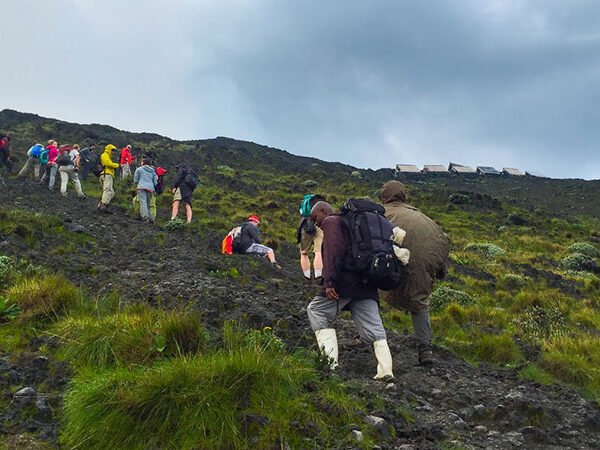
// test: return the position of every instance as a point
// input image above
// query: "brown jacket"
(429, 247)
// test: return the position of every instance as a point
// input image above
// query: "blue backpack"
(35, 151)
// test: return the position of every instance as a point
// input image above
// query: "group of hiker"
(73, 164)
(364, 253)
(418, 243)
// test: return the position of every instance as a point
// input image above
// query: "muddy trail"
(452, 405)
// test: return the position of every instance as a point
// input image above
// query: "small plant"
(8, 311)
(175, 224)
(485, 249)
(310, 184)
(513, 281)
(7, 270)
(45, 298)
(538, 324)
(265, 339)
(579, 262)
(226, 171)
(585, 249)
(444, 295)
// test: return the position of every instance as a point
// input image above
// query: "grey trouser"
(69, 173)
(50, 172)
(422, 326)
(108, 191)
(365, 313)
(259, 249)
(145, 198)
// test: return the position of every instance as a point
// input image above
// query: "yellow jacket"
(106, 161)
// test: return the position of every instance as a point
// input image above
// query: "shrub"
(8, 311)
(585, 249)
(579, 262)
(310, 183)
(538, 324)
(129, 337)
(444, 295)
(497, 349)
(514, 281)
(175, 224)
(7, 270)
(485, 249)
(246, 396)
(226, 171)
(573, 360)
(45, 298)
(356, 174)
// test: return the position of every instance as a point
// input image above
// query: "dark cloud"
(501, 82)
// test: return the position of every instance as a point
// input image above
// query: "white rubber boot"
(384, 360)
(327, 342)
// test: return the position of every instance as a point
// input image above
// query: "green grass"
(249, 394)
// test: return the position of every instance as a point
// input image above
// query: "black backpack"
(191, 179)
(371, 252)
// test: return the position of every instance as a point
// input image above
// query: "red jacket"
(126, 157)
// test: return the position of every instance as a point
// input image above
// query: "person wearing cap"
(249, 242)
(429, 248)
(68, 162)
(126, 160)
(107, 176)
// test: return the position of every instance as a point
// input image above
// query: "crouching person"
(343, 290)
(249, 242)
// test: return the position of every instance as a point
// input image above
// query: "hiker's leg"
(305, 264)
(322, 312)
(175, 209)
(271, 256)
(422, 327)
(36, 169)
(144, 211)
(365, 314)
(74, 176)
(107, 189)
(188, 212)
(53, 170)
(152, 206)
(25, 168)
(64, 179)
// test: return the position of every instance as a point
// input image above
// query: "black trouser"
(5, 161)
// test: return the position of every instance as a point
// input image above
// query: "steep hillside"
(517, 321)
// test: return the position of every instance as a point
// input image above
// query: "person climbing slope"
(107, 176)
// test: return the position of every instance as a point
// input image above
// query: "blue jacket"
(146, 178)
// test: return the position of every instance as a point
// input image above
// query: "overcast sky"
(506, 83)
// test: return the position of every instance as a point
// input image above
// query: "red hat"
(160, 171)
(254, 219)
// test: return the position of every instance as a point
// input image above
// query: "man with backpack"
(88, 160)
(345, 289)
(33, 162)
(68, 168)
(5, 152)
(183, 190)
(107, 177)
(310, 237)
(429, 248)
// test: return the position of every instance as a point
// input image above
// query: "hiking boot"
(63, 194)
(426, 356)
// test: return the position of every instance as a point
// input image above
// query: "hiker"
(249, 242)
(32, 163)
(429, 247)
(126, 160)
(310, 237)
(43, 160)
(183, 190)
(88, 160)
(146, 179)
(68, 168)
(107, 176)
(345, 290)
(51, 166)
(5, 153)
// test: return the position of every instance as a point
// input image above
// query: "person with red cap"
(126, 160)
(249, 242)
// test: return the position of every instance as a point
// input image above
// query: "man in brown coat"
(429, 247)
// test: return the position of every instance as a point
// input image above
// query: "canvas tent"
(512, 172)
(434, 168)
(459, 168)
(487, 170)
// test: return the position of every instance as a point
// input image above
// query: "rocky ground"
(453, 405)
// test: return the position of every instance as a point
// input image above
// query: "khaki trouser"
(108, 191)
(69, 173)
(125, 171)
(31, 162)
